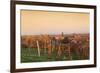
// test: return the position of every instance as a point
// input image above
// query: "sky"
(49, 22)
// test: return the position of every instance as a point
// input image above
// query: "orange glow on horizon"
(49, 22)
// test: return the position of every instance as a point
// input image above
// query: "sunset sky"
(49, 22)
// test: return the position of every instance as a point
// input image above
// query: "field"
(32, 56)
(75, 47)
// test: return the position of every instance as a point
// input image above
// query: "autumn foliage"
(68, 44)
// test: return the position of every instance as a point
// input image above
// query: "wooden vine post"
(38, 47)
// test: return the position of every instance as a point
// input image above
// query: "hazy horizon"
(55, 33)
(47, 22)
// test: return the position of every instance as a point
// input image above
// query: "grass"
(31, 55)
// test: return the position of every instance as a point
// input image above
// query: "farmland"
(59, 47)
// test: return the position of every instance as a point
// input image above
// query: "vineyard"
(63, 47)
